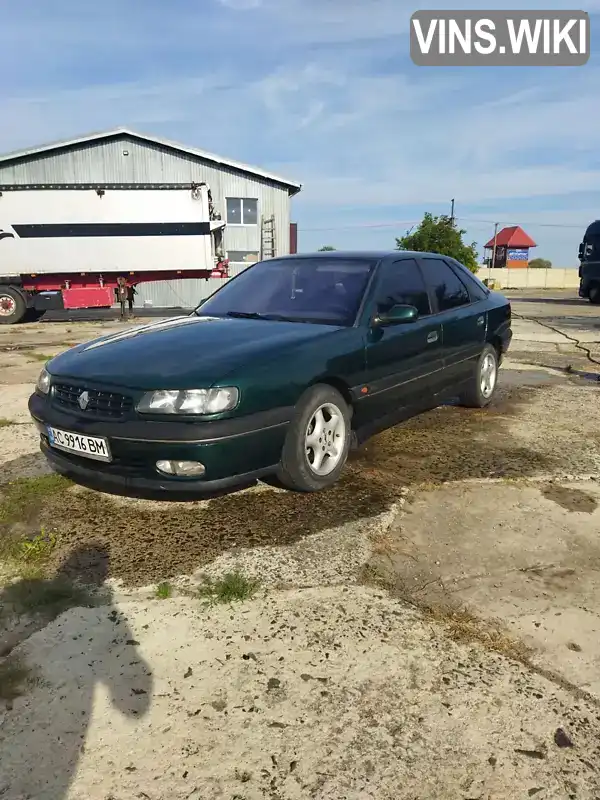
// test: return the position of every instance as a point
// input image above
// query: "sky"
(324, 93)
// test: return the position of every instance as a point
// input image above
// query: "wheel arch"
(336, 383)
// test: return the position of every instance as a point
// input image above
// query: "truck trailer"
(70, 246)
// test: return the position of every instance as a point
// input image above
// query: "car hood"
(183, 353)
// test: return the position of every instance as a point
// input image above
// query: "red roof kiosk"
(512, 248)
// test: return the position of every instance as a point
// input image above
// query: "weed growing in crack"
(164, 590)
(231, 587)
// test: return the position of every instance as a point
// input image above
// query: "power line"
(528, 224)
(491, 223)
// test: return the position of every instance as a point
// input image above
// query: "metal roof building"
(247, 197)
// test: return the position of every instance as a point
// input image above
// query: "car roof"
(367, 254)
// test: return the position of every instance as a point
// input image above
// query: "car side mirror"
(581, 250)
(397, 315)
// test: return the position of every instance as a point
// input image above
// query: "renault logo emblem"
(84, 399)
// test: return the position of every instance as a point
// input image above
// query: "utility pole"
(494, 250)
(452, 211)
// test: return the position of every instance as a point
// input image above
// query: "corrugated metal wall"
(106, 162)
(180, 294)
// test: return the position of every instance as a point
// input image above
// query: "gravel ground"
(323, 694)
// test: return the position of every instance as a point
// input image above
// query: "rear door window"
(477, 289)
(401, 284)
(446, 287)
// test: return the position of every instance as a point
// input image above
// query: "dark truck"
(589, 268)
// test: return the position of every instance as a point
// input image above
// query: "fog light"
(181, 468)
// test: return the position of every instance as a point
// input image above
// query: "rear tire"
(317, 442)
(33, 315)
(594, 295)
(13, 306)
(482, 386)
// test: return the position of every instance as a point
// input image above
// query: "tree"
(540, 263)
(440, 235)
(326, 248)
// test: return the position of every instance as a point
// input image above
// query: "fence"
(187, 293)
(531, 278)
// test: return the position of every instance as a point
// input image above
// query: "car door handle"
(480, 320)
(432, 337)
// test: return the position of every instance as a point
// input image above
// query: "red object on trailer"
(83, 291)
(89, 281)
(89, 297)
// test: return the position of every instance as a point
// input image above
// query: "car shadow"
(153, 494)
(50, 684)
(555, 301)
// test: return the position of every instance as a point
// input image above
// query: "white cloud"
(241, 5)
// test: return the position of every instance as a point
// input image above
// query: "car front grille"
(109, 405)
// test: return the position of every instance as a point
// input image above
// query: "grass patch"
(14, 678)
(23, 498)
(4, 423)
(164, 590)
(37, 549)
(41, 357)
(39, 595)
(27, 556)
(231, 587)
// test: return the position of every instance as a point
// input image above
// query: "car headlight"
(189, 401)
(43, 382)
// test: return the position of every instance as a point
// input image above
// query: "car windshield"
(318, 290)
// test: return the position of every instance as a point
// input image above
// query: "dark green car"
(280, 372)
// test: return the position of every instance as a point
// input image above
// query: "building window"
(242, 211)
(243, 256)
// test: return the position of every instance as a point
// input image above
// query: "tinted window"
(402, 283)
(449, 291)
(477, 289)
(324, 290)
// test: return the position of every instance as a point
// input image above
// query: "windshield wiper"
(271, 317)
(248, 315)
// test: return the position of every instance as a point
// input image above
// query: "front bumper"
(234, 451)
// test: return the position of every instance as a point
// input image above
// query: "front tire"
(317, 442)
(12, 306)
(482, 386)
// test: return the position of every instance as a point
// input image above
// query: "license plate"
(95, 447)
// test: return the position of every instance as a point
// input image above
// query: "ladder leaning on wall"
(267, 238)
